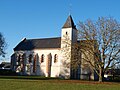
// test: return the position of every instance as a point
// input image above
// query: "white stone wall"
(68, 36)
(41, 67)
(71, 33)
(55, 67)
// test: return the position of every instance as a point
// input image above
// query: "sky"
(44, 18)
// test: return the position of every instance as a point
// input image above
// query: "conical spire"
(69, 23)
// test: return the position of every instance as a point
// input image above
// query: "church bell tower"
(69, 30)
(68, 37)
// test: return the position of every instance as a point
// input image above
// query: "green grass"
(41, 83)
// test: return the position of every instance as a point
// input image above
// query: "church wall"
(28, 65)
(74, 35)
(87, 72)
(55, 66)
(66, 38)
(42, 67)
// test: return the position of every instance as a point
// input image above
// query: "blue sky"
(44, 18)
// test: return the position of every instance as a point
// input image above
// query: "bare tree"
(106, 34)
(2, 45)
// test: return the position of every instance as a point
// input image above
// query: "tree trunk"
(101, 75)
(100, 79)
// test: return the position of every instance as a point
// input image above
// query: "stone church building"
(45, 56)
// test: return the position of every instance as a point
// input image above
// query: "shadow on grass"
(9, 74)
(29, 77)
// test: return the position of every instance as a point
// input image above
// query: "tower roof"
(69, 23)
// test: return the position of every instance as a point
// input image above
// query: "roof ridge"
(43, 38)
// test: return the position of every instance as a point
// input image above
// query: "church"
(47, 56)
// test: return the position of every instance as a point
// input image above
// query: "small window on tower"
(66, 33)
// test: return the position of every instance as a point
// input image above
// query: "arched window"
(34, 63)
(55, 58)
(23, 62)
(30, 58)
(18, 59)
(42, 58)
(23, 57)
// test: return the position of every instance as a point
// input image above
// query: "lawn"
(37, 83)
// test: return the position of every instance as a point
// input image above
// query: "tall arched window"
(30, 58)
(42, 58)
(23, 62)
(24, 58)
(55, 58)
(18, 59)
(34, 63)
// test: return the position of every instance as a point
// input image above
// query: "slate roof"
(30, 44)
(69, 23)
